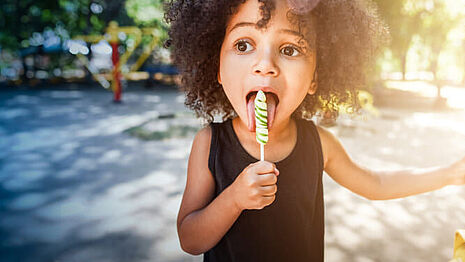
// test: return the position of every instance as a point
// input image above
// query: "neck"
(280, 131)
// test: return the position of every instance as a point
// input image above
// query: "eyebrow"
(249, 24)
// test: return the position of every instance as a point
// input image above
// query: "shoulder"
(202, 142)
(327, 139)
(331, 146)
(203, 135)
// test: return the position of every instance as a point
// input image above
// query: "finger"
(269, 199)
(264, 167)
(269, 190)
(267, 179)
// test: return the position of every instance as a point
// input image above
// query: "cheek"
(298, 80)
(232, 66)
(232, 72)
(300, 76)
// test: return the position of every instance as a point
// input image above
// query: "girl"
(305, 58)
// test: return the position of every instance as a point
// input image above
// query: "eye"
(242, 45)
(289, 50)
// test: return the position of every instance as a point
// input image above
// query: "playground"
(95, 137)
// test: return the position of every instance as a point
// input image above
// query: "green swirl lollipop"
(261, 121)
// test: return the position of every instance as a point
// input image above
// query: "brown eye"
(242, 46)
(289, 50)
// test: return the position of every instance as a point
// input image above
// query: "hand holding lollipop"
(261, 120)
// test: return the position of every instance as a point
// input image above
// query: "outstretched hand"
(458, 172)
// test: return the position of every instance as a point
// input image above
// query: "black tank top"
(292, 227)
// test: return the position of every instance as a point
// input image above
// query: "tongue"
(271, 110)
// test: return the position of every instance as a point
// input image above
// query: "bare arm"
(202, 222)
(383, 185)
(403, 183)
(343, 170)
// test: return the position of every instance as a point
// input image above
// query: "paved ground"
(75, 187)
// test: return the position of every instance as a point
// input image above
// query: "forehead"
(249, 12)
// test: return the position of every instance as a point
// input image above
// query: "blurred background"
(94, 136)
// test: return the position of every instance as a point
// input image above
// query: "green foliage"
(430, 20)
(20, 19)
(29, 23)
(404, 23)
(145, 12)
(66, 18)
(437, 23)
(173, 132)
(148, 13)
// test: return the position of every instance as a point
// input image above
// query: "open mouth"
(276, 98)
(272, 101)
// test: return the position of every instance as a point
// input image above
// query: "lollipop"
(261, 120)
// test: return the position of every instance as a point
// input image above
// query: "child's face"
(251, 58)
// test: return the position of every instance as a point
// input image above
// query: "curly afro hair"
(347, 35)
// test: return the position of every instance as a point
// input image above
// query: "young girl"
(305, 58)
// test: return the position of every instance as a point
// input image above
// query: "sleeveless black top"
(292, 227)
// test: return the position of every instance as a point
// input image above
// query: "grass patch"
(173, 131)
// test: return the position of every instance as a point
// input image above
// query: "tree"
(436, 25)
(404, 22)
(25, 24)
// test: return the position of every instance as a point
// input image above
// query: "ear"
(313, 85)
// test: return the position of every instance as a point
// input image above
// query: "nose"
(266, 65)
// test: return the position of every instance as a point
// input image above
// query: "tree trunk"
(463, 78)
(435, 78)
(404, 65)
(23, 72)
(438, 86)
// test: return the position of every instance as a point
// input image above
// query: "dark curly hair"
(348, 36)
